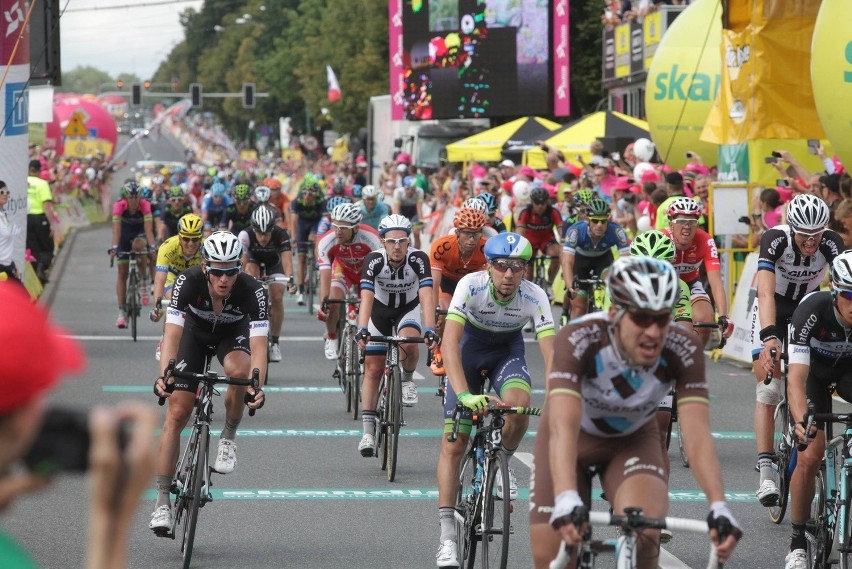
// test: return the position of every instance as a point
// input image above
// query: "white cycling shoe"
(796, 559)
(161, 520)
(226, 457)
(448, 554)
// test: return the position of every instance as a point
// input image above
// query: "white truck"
(425, 141)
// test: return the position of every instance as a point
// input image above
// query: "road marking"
(669, 561)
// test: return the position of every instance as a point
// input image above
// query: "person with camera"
(213, 305)
(117, 474)
(9, 230)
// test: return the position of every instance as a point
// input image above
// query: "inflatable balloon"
(640, 169)
(644, 149)
(643, 223)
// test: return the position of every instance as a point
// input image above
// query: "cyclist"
(452, 257)
(587, 252)
(819, 356)
(695, 246)
(280, 200)
(262, 197)
(491, 212)
(213, 306)
(305, 214)
(483, 331)
(793, 261)
(239, 212)
(479, 205)
(395, 285)
(373, 208)
(268, 245)
(132, 230)
(603, 387)
(325, 223)
(176, 208)
(536, 222)
(214, 208)
(408, 201)
(340, 257)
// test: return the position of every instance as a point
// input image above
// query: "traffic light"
(248, 95)
(147, 84)
(119, 84)
(196, 94)
(137, 94)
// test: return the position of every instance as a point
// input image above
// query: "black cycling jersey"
(395, 288)
(312, 212)
(818, 339)
(796, 275)
(170, 219)
(239, 221)
(191, 299)
(269, 254)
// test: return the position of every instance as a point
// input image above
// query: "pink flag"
(333, 85)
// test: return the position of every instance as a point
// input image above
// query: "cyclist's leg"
(339, 287)
(276, 302)
(125, 245)
(303, 230)
(374, 363)
(410, 327)
(583, 267)
(140, 245)
(702, 309)
(664, 419)
(511, 381)
(552, 250)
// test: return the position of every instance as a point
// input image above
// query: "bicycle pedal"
(163, 532)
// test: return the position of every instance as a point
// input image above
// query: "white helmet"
(369, 192)
(643, 149)
(841, 271)
(477, 204)
(521, 190)
(807, 212)
(262, 219)
(644, 283)
(394, 222)
(261, 193)
(347, 212)
(222, 247)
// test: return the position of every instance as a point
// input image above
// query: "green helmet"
(242, 192)
(310, 184)
(655, 244)
(596, 207)
(175, 192)
(584, 196)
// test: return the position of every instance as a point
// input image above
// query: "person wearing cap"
(117, 477)
(8, 231)
(41, 220)
(507, 169)
(360, 177)
(408, 201)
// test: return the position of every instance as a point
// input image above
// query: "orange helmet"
(469, 219)
(272, 183)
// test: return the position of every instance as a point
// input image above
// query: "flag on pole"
(333, 85)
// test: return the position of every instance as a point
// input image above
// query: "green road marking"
(744, 496)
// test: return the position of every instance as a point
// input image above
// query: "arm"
(564, 411)
(366, 308)
(452, 355)
(259, 346)
(149, 231)
(436, 286)
(714, 278)
(568, 269)
(159, 288)
(287, 263)
(546, 345)
(801, 171)
(171, 340)
(116, 233)
(699, 444)
(766, 311)
(427, 305)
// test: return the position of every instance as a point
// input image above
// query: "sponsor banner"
(738, 346)
(561, 60)
(622, 50)
(397, 83)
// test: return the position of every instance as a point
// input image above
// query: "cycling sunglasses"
(598, 220)
(845, 294)
(400, 241)
(342, 227)
(503, 266)
(220, 272)
(190, 239)
(645, 319)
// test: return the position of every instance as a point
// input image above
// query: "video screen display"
(475, 58)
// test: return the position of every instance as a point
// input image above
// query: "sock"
(163, 483)
(230, 430)
(407, 376)
(797, 537)
(301, 289)
(448, 524)
(368, 419)
(766, 466)
(274, 339)
(331, 335)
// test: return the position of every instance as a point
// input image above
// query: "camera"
(689, 155)
(776, 154)
(745, 219)
(770, 160)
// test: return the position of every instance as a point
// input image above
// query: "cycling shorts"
(271, 271)
(585, 267)
(696, 291)
(448, 286)
(820, 378)
(505, 364)
(304, 229)
(196, 345)
(343, 278)
(382, 320)
(541, 241)
(126, 239)
(615, 458)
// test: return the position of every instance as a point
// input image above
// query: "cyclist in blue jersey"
(587, 251)
(214, 208)
(484, 331)
(373, 209)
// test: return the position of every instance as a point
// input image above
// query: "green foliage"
(86, 80)
(586, 57)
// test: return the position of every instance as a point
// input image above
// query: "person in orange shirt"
(280, 200)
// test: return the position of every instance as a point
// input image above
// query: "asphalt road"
(301, 495)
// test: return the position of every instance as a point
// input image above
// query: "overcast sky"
(133, 38)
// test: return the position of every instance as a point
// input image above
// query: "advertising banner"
(622, 50)
(561, 60)
(395, 48)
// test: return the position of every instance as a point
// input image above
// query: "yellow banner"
(622, 50)
(291, 154)
(248, 154)
(652, 32)
(82, 147)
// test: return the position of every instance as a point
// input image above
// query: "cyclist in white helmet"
(373, 207)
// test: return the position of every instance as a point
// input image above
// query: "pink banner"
(561, 60)
(395, 42)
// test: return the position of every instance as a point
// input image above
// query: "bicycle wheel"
(394, 421)
(495, 514)
(353, 377)
(466, 515)
(382, 419)
(819, 537)
(684, 460)
(782, 460)
(309, 281)
(194, 497)
(843, 541)
(131, 301)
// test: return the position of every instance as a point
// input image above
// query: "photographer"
(117, 477)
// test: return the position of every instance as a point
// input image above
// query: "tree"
(86, 80)
(586, 57)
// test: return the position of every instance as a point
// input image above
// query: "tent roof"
(487, 146)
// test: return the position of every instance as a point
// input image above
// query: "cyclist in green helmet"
(239, 212)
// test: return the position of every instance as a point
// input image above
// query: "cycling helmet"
(242, 192)
(597, 207)
(272, 183)
(408, 181)
(655, 244)
(157, 179)
(262, 219)
(222, 247)
(539, 195)
(334, 202)
(394, 222)
(310, 183)
(508, 245)
(356, 190)
(490, 202)
(807, 212)
(184, 187)
(189, 226)
(261, 194)
(338, 189)
(688, 207)
(217, 190)
(369, 193)
(175, 192)
(147, 193)
(469, 219)
(841, 271)
(643, 283)
(475, 203)
(347, 212)
(584, 196)
(130, 189)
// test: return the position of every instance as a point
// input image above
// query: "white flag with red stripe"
(333, 85)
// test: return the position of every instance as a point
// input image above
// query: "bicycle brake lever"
(255, 384)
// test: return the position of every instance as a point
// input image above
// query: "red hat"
(621, 183)
(27, 334)
(650, 176)
(507, 186)
(786, 194)
(528, 172)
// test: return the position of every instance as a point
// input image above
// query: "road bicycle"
(540, 267)
(595, 290)
(389, 405)
(430, 356)
(191, 481)
(481, 515)
(311, 274)
(674, 423)
(348, 371)
(133, 296)
(784, 445)
(624, 547)
(266, 280)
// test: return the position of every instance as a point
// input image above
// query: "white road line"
(525, 457)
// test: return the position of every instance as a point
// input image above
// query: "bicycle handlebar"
(772, 352)
(342, 301)
(399, 339)
(808, 422)
(210, 378)
(492, 408)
